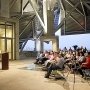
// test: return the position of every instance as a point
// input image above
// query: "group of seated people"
(72, 58)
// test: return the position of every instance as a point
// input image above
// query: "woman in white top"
(81, 58)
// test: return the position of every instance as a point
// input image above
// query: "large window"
(7, 38)
(9, 30)
(2, 29)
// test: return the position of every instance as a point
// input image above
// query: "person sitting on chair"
(81, 58)
(57, 65)
(49, 62)
(76, 63)
(39, 57)
(85, 65)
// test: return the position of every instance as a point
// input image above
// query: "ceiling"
(75, 17)
(76, 21)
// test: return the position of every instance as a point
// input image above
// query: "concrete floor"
(19, 79)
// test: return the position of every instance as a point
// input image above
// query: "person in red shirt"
(85, 65)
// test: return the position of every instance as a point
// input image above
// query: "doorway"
(7, 39)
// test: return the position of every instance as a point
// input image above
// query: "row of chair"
(64, 72)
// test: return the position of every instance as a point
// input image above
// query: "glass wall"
(2, 29)
(9, 31)
(7, 38)
(2, 46)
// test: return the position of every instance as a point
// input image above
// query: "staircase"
(56, 19)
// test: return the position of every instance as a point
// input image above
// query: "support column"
(37, 45)
(55, 44)
(54, 39)
(48, 16)
(17, 40)
(41, 46)
(50, 23)
(49, 34)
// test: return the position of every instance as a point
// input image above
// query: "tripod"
(75, 68)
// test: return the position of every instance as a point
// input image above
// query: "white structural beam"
(45, 15)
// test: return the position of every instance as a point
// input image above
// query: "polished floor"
(19, 79)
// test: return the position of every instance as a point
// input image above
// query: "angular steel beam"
(61, 24)
(85, 3)
(70, 3)
(21, 7)
(25, 43)
(12, 4)
(25, 28)
(25, 5)
(82, 7)
(61, 4)
(33, 4)
(22, 19)
(77, 22)
(84, 14)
